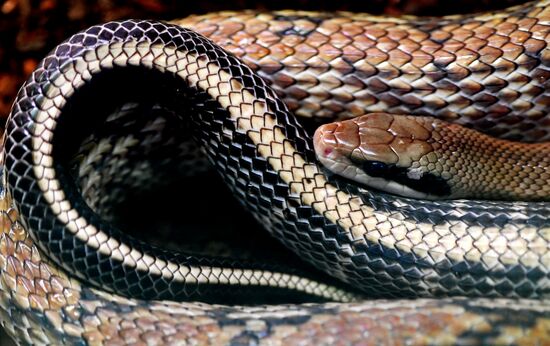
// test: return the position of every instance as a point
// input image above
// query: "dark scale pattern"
(383, 245)
(378, 269)
(98, 268)
(489, 74)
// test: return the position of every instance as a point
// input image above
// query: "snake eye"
(422, 182)
(375, 168)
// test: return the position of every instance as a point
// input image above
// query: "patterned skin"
(381, 244)
(423, 157)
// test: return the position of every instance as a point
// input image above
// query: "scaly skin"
(41, 304)
(486, 70)
(424, 157)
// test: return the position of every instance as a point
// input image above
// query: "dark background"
(31, 28)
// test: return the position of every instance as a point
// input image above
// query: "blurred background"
(31, 28)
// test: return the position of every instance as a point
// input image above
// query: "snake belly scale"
(382, 245)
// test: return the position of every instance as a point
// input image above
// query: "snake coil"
(381, 245)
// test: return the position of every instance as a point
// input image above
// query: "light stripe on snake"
(381, 244)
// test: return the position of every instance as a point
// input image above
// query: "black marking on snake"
(387, 263)
(427, 182)
(467, 275)
(139, 85)
(321, 17)
(500, 318)
(293, 30)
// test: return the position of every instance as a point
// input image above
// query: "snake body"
(378, 244)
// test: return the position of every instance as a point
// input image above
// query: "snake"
(379, 268)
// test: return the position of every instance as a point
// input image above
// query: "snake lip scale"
(379, 244)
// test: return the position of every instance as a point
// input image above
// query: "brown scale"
(474, 165)
(49, 308)
(43, 305)
(342, 65)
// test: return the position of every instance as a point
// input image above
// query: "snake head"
(382, 151)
